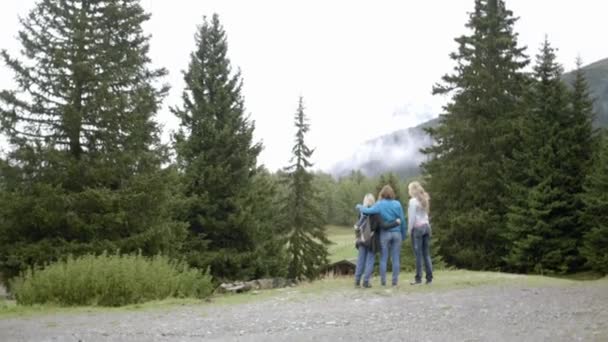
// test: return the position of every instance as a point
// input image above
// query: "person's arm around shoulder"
(374, 209)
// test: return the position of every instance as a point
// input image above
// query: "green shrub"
(110, 280)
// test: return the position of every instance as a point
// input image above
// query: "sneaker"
(367, 285)
(416, 283)
(428, 282)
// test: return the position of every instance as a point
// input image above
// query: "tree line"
(517, 175)
(517, 172)
(85, 170)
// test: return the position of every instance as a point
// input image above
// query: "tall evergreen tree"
(544, 224)
(583, 116)
(594, 200)
(578, 155)
(475, 138)
(306, 238)
(535, 200)
(83, 172)
(217, 156)
(595, 216)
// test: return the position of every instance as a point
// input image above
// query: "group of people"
(386, 221)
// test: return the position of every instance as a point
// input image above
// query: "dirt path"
(489, 313)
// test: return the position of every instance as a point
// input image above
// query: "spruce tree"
(217, 157)
(594, 229)
(583, 116)
(578, 159)
(306, 238)
(469, 164)
(544, 224)
(595, 216)
(83, 171)
(535, 200)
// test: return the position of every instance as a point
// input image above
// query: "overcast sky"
(365, 68)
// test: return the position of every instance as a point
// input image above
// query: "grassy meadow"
(343, 243)
(342, 248)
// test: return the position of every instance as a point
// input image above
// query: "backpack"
(366, 232)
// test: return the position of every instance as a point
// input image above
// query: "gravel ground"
(489, 313)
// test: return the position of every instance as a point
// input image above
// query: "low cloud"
(397, 152)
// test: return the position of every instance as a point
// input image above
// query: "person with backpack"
(367, 231)
(389, 210)
(418, 220)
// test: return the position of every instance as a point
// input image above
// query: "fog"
(398, 152)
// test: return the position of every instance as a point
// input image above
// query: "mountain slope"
(399, 151)
(597, 78)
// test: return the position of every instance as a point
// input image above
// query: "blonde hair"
(387, 192)
(417, 191)
(369, 200)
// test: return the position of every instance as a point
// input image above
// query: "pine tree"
(536, 201)
(473, 143)
(595, 216)
(217, 156)
(583, 116)
(306, 238)
(270, 254)
(578, 160)
(544, 224)
(593, 197)
(83, 172)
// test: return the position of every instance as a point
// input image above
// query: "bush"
(110, 280)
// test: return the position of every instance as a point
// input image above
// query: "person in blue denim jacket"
(390, 239)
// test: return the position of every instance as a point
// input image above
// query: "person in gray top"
(420, 231)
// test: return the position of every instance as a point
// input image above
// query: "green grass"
(444, 281)
(343, 246)
(110, 280)
(580, 276)
(10, 309)
(343, 238)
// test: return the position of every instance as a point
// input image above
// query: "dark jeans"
(421, 243)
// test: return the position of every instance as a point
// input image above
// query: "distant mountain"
(399, 152)
(396, 152)
(597, 77)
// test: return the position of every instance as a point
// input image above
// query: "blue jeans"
(389, 242)
(365, 265)
(421, 243)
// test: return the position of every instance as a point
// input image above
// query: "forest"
(517, 172)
